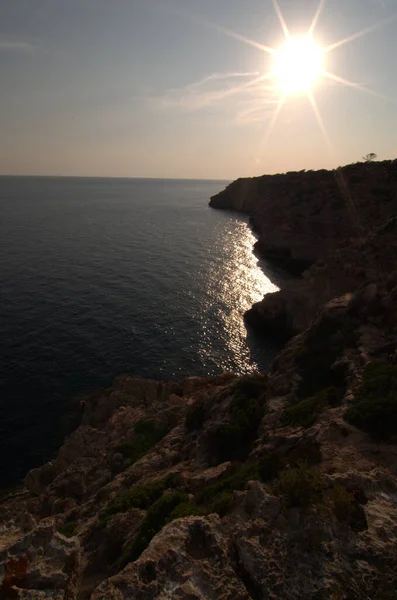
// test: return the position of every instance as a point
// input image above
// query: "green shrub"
(250, 386)
(374, 408)
(306, 412)
(343, 503)
(140, 496)
(160, 512)
(229, 442)
(301, 485)
(233, 440)
(308, 451)
(222, 504)
(163, 511)
(323, 345)
(219, 498)
(195, 417)
(229, 483)
(187, 509)
(173, 481)
(68, 529)
(147, 433)
(268, 467)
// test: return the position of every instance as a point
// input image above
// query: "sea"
(107, 276)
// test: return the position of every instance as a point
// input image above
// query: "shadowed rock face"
(327, 225)
(301, 216)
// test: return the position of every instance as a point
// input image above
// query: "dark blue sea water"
(107, 276)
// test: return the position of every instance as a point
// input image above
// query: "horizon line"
(116, 177)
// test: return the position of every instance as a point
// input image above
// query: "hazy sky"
(156, 88)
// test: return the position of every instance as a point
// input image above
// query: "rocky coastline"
(319, 225)
(273, 486)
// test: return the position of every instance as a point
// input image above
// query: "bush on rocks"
(163, 511)
(147, 433)
(301, 486)
(140, 496)
(374, 408)
(232, 440)
(306, 412)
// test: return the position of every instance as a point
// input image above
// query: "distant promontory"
(326, 226)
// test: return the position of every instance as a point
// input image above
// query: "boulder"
(38, 479)
(188, 559)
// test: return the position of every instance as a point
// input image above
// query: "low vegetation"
(301, 486)
(307, 451)
(222, 504)
(232, 440)
(147, 433)
(343, 503)
(306, 412)
(163, 511)
(68, 529)
(219, 496)
(195, 417)
(374, 408)
(315, 358)
(140, 496)
(167, 499)
(251, 386)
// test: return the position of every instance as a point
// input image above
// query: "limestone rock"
(40, 562)
(188, 559)
(210, 476)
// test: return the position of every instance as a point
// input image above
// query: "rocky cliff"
(271, 486)
(279, 485)
(322, 224)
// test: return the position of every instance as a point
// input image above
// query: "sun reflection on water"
(234, 283)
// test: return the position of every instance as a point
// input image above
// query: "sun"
(298, 65)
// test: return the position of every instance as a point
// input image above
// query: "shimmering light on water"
(105, 276)
(236, 281)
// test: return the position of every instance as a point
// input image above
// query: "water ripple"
(104, 276)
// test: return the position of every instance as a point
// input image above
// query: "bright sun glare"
(298, 65)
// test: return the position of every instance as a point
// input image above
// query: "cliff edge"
(320, 225)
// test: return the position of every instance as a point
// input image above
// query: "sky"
(172, 88)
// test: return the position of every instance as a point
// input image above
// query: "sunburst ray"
(273, 120)
(352, 84)
(316, 18)
(319, 118)
(234, 35)
(242, 38)
(281, 19)
(248, 84)
(359, 34)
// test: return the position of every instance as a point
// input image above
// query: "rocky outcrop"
(38, 562)
(301, 216)
(344, 271)
(271, 486)
(189, 558)
(333, 227)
